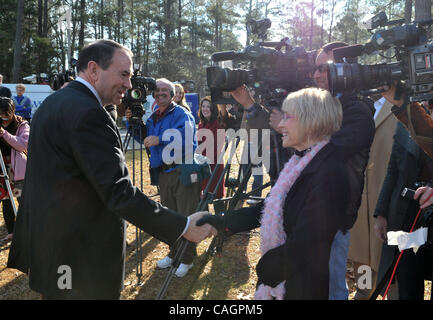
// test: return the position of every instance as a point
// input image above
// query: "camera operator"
(173, 193)
(14, 136)
(354, 139)
(408, 164)
(259, 117)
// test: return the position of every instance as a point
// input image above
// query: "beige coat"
(365, 247)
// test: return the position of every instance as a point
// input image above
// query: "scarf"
(272, 229)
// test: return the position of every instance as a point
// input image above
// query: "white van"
(36, 92)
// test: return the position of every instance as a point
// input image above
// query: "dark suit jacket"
(314, 210)
(76, 194)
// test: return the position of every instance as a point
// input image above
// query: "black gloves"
(218, 222)
(240, 220)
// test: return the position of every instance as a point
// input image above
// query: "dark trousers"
(8, 215)
(411, 272)
(181, 198)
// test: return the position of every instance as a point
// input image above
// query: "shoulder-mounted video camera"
(413, 52)
(271, 71)
(137, 95)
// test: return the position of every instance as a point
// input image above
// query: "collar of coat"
(81, 87)
(317, 161)
(170, 108)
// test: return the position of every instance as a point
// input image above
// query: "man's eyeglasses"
(321, 67)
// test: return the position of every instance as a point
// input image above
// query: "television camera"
(270, 71)
(413, 55)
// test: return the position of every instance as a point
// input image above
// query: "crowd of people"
(336, 183)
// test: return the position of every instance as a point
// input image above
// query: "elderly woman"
(306, 206)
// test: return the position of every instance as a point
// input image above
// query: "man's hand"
(275, 118)
(389, 95)
(151, 141)
(196, 233)
(243, 96)
(425, 193)
(380, 228)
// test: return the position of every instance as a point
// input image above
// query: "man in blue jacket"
(171, 138)
(23, 104)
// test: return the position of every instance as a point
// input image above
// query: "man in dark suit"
(4, 92)
(70, 233)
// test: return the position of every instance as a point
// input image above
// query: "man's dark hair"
(334, 45)
(100, 51)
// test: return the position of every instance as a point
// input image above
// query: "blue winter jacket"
(177, 137)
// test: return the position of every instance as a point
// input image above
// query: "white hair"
(167, 82)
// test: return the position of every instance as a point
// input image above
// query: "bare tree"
(16, 71)
(333, 4)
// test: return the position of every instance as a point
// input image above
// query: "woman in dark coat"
(306, 206)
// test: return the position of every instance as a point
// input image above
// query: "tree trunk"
(40, 17)
(408, 11)
(179, 26)
(101, 19)
(82, 24)
(16, 71)
(332, 20)
(422, 10)
(311, 24)
(45, 23)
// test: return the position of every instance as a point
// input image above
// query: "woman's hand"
(425, 196)
(1, 130)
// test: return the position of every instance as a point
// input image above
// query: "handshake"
(203, 224)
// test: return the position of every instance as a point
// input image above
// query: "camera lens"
(346, 77)
(135, 94)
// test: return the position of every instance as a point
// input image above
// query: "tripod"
(135, 130)
(5, 176)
